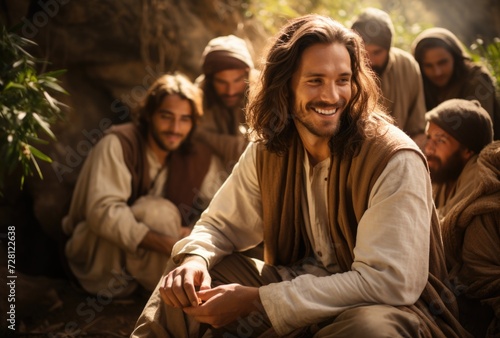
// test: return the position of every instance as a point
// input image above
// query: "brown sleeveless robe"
(350, 182)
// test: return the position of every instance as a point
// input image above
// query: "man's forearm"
(158, 242)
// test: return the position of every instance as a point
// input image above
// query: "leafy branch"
(489, 54)
(26, 107)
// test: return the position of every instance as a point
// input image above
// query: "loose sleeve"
(107, 191)
(233, 219)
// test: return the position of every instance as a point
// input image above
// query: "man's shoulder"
(128, 128)
(128, 134)
(403, 58)
(389, 141)
(390, 136)
(479, 74)
(109, 146)
(400, 53)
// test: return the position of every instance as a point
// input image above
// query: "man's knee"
(158, 213)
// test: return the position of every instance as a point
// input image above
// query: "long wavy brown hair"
(269, 113)
(170, 84)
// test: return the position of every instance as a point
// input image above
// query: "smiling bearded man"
(340, 198)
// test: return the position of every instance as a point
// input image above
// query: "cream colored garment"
(103, 248)
(212, 132)
(390, 266)
(403, 92)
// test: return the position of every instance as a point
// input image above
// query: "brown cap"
(466, 121)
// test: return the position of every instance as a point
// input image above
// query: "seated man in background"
(449, 73)
(471, 237)
(140, 190)
(339, 196)
(457, 130)
(398, 72)
(227, 69)
(465, 170)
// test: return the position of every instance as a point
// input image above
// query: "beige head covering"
(226, 52)
(375, 27)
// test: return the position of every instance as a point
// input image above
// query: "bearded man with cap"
(397, 70)
(227, 67)
(457, 130)
(465, 170)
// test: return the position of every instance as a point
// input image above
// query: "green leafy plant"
(489, 55)
(27, 107)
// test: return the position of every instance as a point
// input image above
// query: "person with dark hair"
(464, 166)
(141, 189)
(397, 70)
(457, 130)
(341, 199)
(227, 68)
(449, 73)
(471, 237)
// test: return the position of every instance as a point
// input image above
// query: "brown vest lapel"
(186, 173)
(133, 145)
(285, 238)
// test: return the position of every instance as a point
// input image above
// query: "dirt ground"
(46, 307)
(45, 303)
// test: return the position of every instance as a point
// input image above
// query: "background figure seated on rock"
(465, 170)
(228, 70)
(140, 190)
(449, 73)
(398, 72)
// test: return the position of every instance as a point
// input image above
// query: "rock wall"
(112, 52)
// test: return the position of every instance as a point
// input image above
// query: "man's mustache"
(433, 158)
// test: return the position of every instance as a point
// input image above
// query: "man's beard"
(161, 144)
(303, 112)
(448, 171)
(378, 70)
(239, 100)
